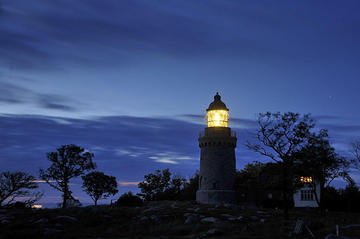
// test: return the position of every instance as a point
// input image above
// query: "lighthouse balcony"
(217, 132)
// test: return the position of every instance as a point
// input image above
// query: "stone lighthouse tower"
(217, 160)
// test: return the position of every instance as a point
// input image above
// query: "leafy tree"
(17, 184)
(155, 184)
(279, 136)
(188, 191)
(319, 160)
(247, 182)
(161, 186)
(70, 161)
(99, 186)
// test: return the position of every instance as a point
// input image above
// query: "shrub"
(129, 200)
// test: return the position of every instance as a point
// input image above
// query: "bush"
(129, 200)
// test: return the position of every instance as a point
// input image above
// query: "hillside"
(170, 220)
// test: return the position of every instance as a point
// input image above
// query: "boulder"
(333, 236)
(51, 231)
(65, 219)
(209, 219)
(41, 221)
(197, 210)
(191, 219)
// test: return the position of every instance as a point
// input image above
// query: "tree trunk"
(65, 194)
(285, 191)
(95, 201)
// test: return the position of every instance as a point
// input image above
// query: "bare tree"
(356, 153)
(279, 136)
(15, 185)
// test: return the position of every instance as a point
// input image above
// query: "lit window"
(305, 179)
(217, 118)
(36, 206)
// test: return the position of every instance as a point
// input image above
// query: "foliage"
(279, 136)
(99, 186)
(70, 161)
(190, 187)
(129, 200)
(15, 185)
(161, 186)
(319, 160)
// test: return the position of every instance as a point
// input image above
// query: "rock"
(143, 218)
(191, 219)
(153, 217)
(332, 236)
(4, 221)
(226, 215)
(42, 221)
(262, 220)
(175, 205)
(58, 225)
(214, 232)
(51, 231)
(239, 218)
(65, 219)
(260, 212)
(209, 219)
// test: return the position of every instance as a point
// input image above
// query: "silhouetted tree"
(70, 161)
(247, 182)
(188, 192)
(356, 153)
(279, 136)
(17, 184)
(161, 186)
(319, 160)
(99, 186)
(129, 200)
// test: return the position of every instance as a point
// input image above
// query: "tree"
(70, 161)
(279, 136)
(319, 160)
(247, 183)
(99, 186)
(161, 186)
(356, 153)
(129, 200)
(188, 192)
(17, 184)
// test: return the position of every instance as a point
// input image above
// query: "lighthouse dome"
(217, 104)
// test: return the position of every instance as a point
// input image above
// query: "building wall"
(300, 202)
(217, 166)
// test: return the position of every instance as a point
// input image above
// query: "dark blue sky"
(130, 80)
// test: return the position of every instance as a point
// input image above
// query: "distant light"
(36, 206)
(305, 179)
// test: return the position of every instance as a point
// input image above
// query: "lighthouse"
(217, 158)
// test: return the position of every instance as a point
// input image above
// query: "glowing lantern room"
(217, 113)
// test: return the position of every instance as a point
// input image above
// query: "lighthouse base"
(216, 196)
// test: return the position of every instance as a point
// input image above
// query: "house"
(304, 196)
